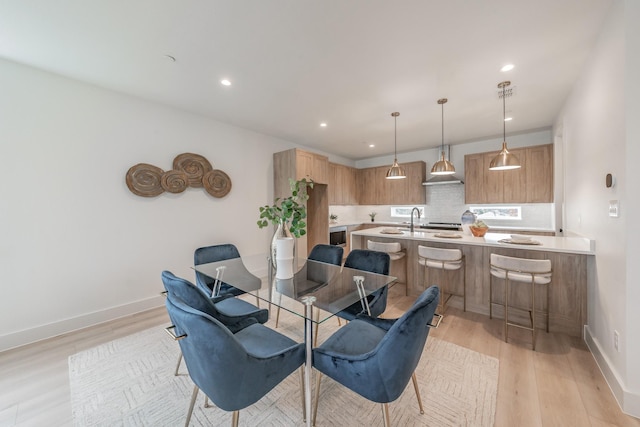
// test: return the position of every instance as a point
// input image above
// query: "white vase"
(284, 257)
(281, 231)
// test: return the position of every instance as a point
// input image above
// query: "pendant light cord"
(395, 137)
(504, 115)
(442, 149)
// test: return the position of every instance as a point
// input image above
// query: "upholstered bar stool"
(398, 266)
(447, 260)
(521, 270)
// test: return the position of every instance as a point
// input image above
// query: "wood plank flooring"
(557, 385)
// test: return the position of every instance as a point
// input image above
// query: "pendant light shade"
(395, 171)
(504, 160)
(442, 166)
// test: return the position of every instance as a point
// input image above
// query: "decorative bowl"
(478, 231)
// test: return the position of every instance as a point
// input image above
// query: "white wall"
(76, 246)
(599, 136)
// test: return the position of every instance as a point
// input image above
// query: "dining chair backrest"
(329, 254)
(215, 253)
(190, 294)
(367, 260)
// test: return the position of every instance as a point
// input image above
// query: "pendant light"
(442, 166)
(395, 171)
(504, 160)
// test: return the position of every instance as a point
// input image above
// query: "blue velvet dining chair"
(234, 313)
(374, 262)
(233, 370)
(217, 253)
(328, 254)
(376, 357)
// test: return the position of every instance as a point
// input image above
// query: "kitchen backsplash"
(445, 203)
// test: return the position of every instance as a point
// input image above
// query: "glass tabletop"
(331, 288)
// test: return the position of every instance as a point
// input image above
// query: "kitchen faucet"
(418, 211)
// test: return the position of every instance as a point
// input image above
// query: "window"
(405, 211)
(497, 212)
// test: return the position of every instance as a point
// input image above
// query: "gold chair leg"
(415, 386)
(304, 408)
(191, 405)
(206, 402)
(385, 414)
(235, 418)
(178, 365)
(278, 311)
(315, 402)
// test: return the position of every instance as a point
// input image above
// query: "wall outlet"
(616, 340)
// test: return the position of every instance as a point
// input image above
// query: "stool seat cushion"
(521, 269)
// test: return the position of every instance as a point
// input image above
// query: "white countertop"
(417, 224)
(577, 245)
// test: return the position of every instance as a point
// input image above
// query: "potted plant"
(287, 214)
(333, 218)
(373, 216)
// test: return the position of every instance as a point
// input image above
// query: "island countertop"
(571, 245)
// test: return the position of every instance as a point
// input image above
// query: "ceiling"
(296, 63)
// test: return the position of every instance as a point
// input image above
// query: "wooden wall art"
(189, 170)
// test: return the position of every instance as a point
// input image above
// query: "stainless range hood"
(443, 179)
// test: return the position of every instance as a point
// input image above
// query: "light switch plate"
(613, 208)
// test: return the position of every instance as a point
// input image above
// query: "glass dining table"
(327, 287)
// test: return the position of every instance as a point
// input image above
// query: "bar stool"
(522, 270)
(445, 260)
(396, 254)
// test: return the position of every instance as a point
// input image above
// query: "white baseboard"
(629, 402)
(51, 330)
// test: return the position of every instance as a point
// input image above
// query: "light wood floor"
(557, 385)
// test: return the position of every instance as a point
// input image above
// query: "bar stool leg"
(533, 312)
(506, 308)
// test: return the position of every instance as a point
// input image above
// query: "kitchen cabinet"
(532, 183)
(297, 164)
(342, 185)
(375, 189)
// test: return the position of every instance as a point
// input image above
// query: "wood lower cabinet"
(532, 183)
(375, 189)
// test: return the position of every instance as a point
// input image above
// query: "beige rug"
(130, 382)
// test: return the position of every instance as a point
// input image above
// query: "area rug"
(130, 382)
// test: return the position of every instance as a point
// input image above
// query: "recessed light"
(225, 82)
(507, 67)
(372, 145)
(323, 125)
(508, 119)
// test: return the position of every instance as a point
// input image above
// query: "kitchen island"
(572, 263)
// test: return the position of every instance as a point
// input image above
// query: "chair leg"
(385, 414)
(235, 418)
(315, 403)
(304, 408)
(206, 402)
(278, 310)
(415, 386)
(191, 405)
(178, 365)
(506, 308)
(533, 313)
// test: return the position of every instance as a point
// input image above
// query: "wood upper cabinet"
(375, 189)
(532, 183)
(342, 185)
(298, 164)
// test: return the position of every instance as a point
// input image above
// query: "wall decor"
(189, 170)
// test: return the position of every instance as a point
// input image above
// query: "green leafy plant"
(290, 211)
(373, 215)
(333, 217)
